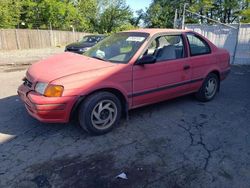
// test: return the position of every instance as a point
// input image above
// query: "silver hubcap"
(211, 87)
(104, 114)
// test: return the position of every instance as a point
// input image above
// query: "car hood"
(80, 45)
(62, 65)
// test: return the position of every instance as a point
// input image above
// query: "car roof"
(153, 31)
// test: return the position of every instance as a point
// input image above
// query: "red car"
(124, 71)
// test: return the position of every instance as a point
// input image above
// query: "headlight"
(49, 90)
(40, 87)
(85, 49)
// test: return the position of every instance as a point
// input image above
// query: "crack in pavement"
(200, 142)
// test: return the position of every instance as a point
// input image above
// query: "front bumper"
(46, 109)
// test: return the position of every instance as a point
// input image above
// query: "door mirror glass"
(146, 59)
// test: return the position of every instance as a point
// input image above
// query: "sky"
(138, 4)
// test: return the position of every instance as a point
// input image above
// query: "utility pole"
(183, 16)
(175, 19)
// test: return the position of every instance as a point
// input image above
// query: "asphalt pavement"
(177, 143)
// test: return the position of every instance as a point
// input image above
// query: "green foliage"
(87, 14)
(113, 16)
(9, 13)
(103, 16)
(245, 13)
(46, 13)
(125, 27)
(136, 21)
(107, 16)
(161, 12)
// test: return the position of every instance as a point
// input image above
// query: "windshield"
(118, 48)
(92, 39)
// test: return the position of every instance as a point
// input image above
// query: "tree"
(87, 15)
(245, 13)
(113, 15)
(226, 11)
(30, 14)
(230, 11)
(46, 13)
(161, 13)
(135, 21)
(202, 7)
(246, 16)
(9, 13)
(105, 16)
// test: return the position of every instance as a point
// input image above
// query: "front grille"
(27, 83)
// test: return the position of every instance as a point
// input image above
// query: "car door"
(200, 59)
(167, 77)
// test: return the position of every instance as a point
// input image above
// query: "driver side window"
(167, 47)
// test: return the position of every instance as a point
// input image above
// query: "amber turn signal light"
(53, 91)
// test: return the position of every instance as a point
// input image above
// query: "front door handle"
(186, 67)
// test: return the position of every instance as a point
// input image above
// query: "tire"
(100, 113)
(209, 88)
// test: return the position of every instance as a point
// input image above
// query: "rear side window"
(197, 45)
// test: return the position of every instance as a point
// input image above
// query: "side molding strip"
(164, 88)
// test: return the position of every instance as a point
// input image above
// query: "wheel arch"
(116, 92)
(216, 72)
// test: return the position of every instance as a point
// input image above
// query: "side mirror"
(147, 59)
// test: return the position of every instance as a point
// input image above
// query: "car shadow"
(163, 105)
(16, 121)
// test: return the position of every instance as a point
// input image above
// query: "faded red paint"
(81, 76)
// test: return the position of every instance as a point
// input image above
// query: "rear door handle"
(186, 67)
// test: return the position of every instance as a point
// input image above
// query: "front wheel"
(209, 88)
(100, 112)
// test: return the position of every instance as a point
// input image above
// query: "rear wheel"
(209, 88)
(100, 113)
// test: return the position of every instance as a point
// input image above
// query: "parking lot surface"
(177, 143)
